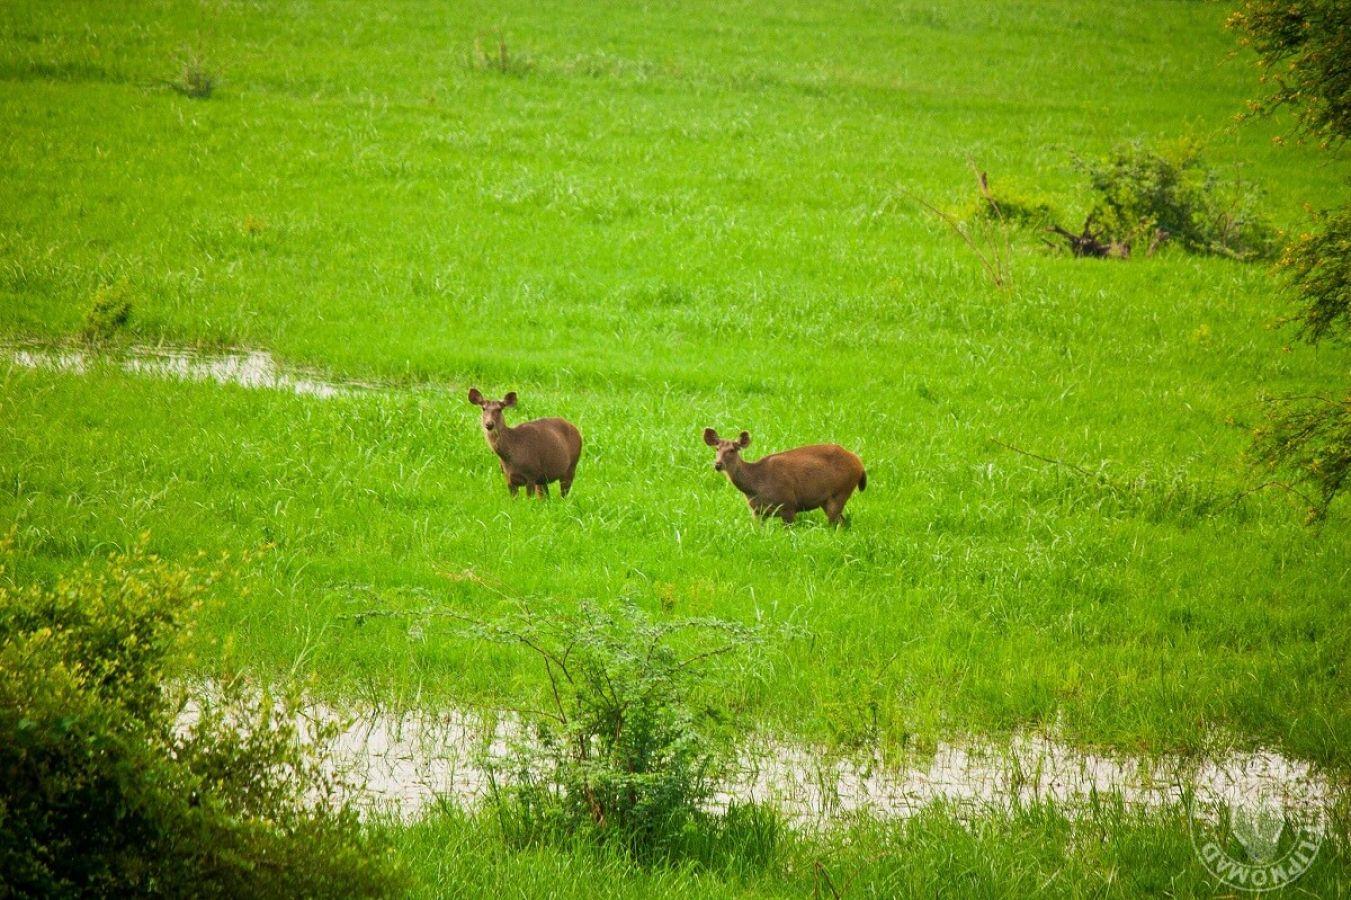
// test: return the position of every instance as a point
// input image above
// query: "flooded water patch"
(255, 369)
(404, 763)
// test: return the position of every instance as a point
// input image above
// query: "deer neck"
(501, 440)
(744, 475)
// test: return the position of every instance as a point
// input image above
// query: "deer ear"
(745, 439)
(710, 436)
(475, 397)
(509, 399)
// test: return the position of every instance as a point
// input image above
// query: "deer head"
(729, 452)
(492, 410)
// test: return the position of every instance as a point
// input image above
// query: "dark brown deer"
(533, 453)
(821, 476)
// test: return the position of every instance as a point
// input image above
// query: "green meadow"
(650, 219)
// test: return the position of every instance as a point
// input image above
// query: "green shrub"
(103, 793)
(633, 740)
(109, 311)
(1147, 196)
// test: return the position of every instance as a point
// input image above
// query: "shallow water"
(246, 368)
(403, 763)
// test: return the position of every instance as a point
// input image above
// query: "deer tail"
(863, 482)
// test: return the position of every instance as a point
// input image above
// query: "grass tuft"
(194, 79)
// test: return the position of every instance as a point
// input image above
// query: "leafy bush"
(103, 793)
(109, 311)
(1147, 196)
(633, 740)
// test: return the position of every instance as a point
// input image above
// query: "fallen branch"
(1097, 476)
(1090, 243)
(1288, 488)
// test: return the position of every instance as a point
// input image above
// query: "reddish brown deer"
(821, 476)
(534, 453)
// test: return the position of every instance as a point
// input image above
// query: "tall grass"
(1034, 851)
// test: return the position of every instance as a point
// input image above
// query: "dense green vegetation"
(102, 793)
(652, 219)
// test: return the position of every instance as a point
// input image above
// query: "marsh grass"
(1031, 851)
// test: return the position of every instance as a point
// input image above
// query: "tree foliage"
(1312, 437)
(1304, 51)
(1317, 265)
(1303, 48)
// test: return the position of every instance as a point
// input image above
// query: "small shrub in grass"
(633, 739)
(109, 311)
(194, 80)
(1146, 196)
(102, 794)
(493, 55)
(985, 233)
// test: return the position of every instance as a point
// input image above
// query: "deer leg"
(542, 489)
(565, 483)
(834, 508)
(787, 513)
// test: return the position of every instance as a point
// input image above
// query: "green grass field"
(661, 218)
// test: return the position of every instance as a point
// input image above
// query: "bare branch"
(1288, 488)
(1048, 459)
